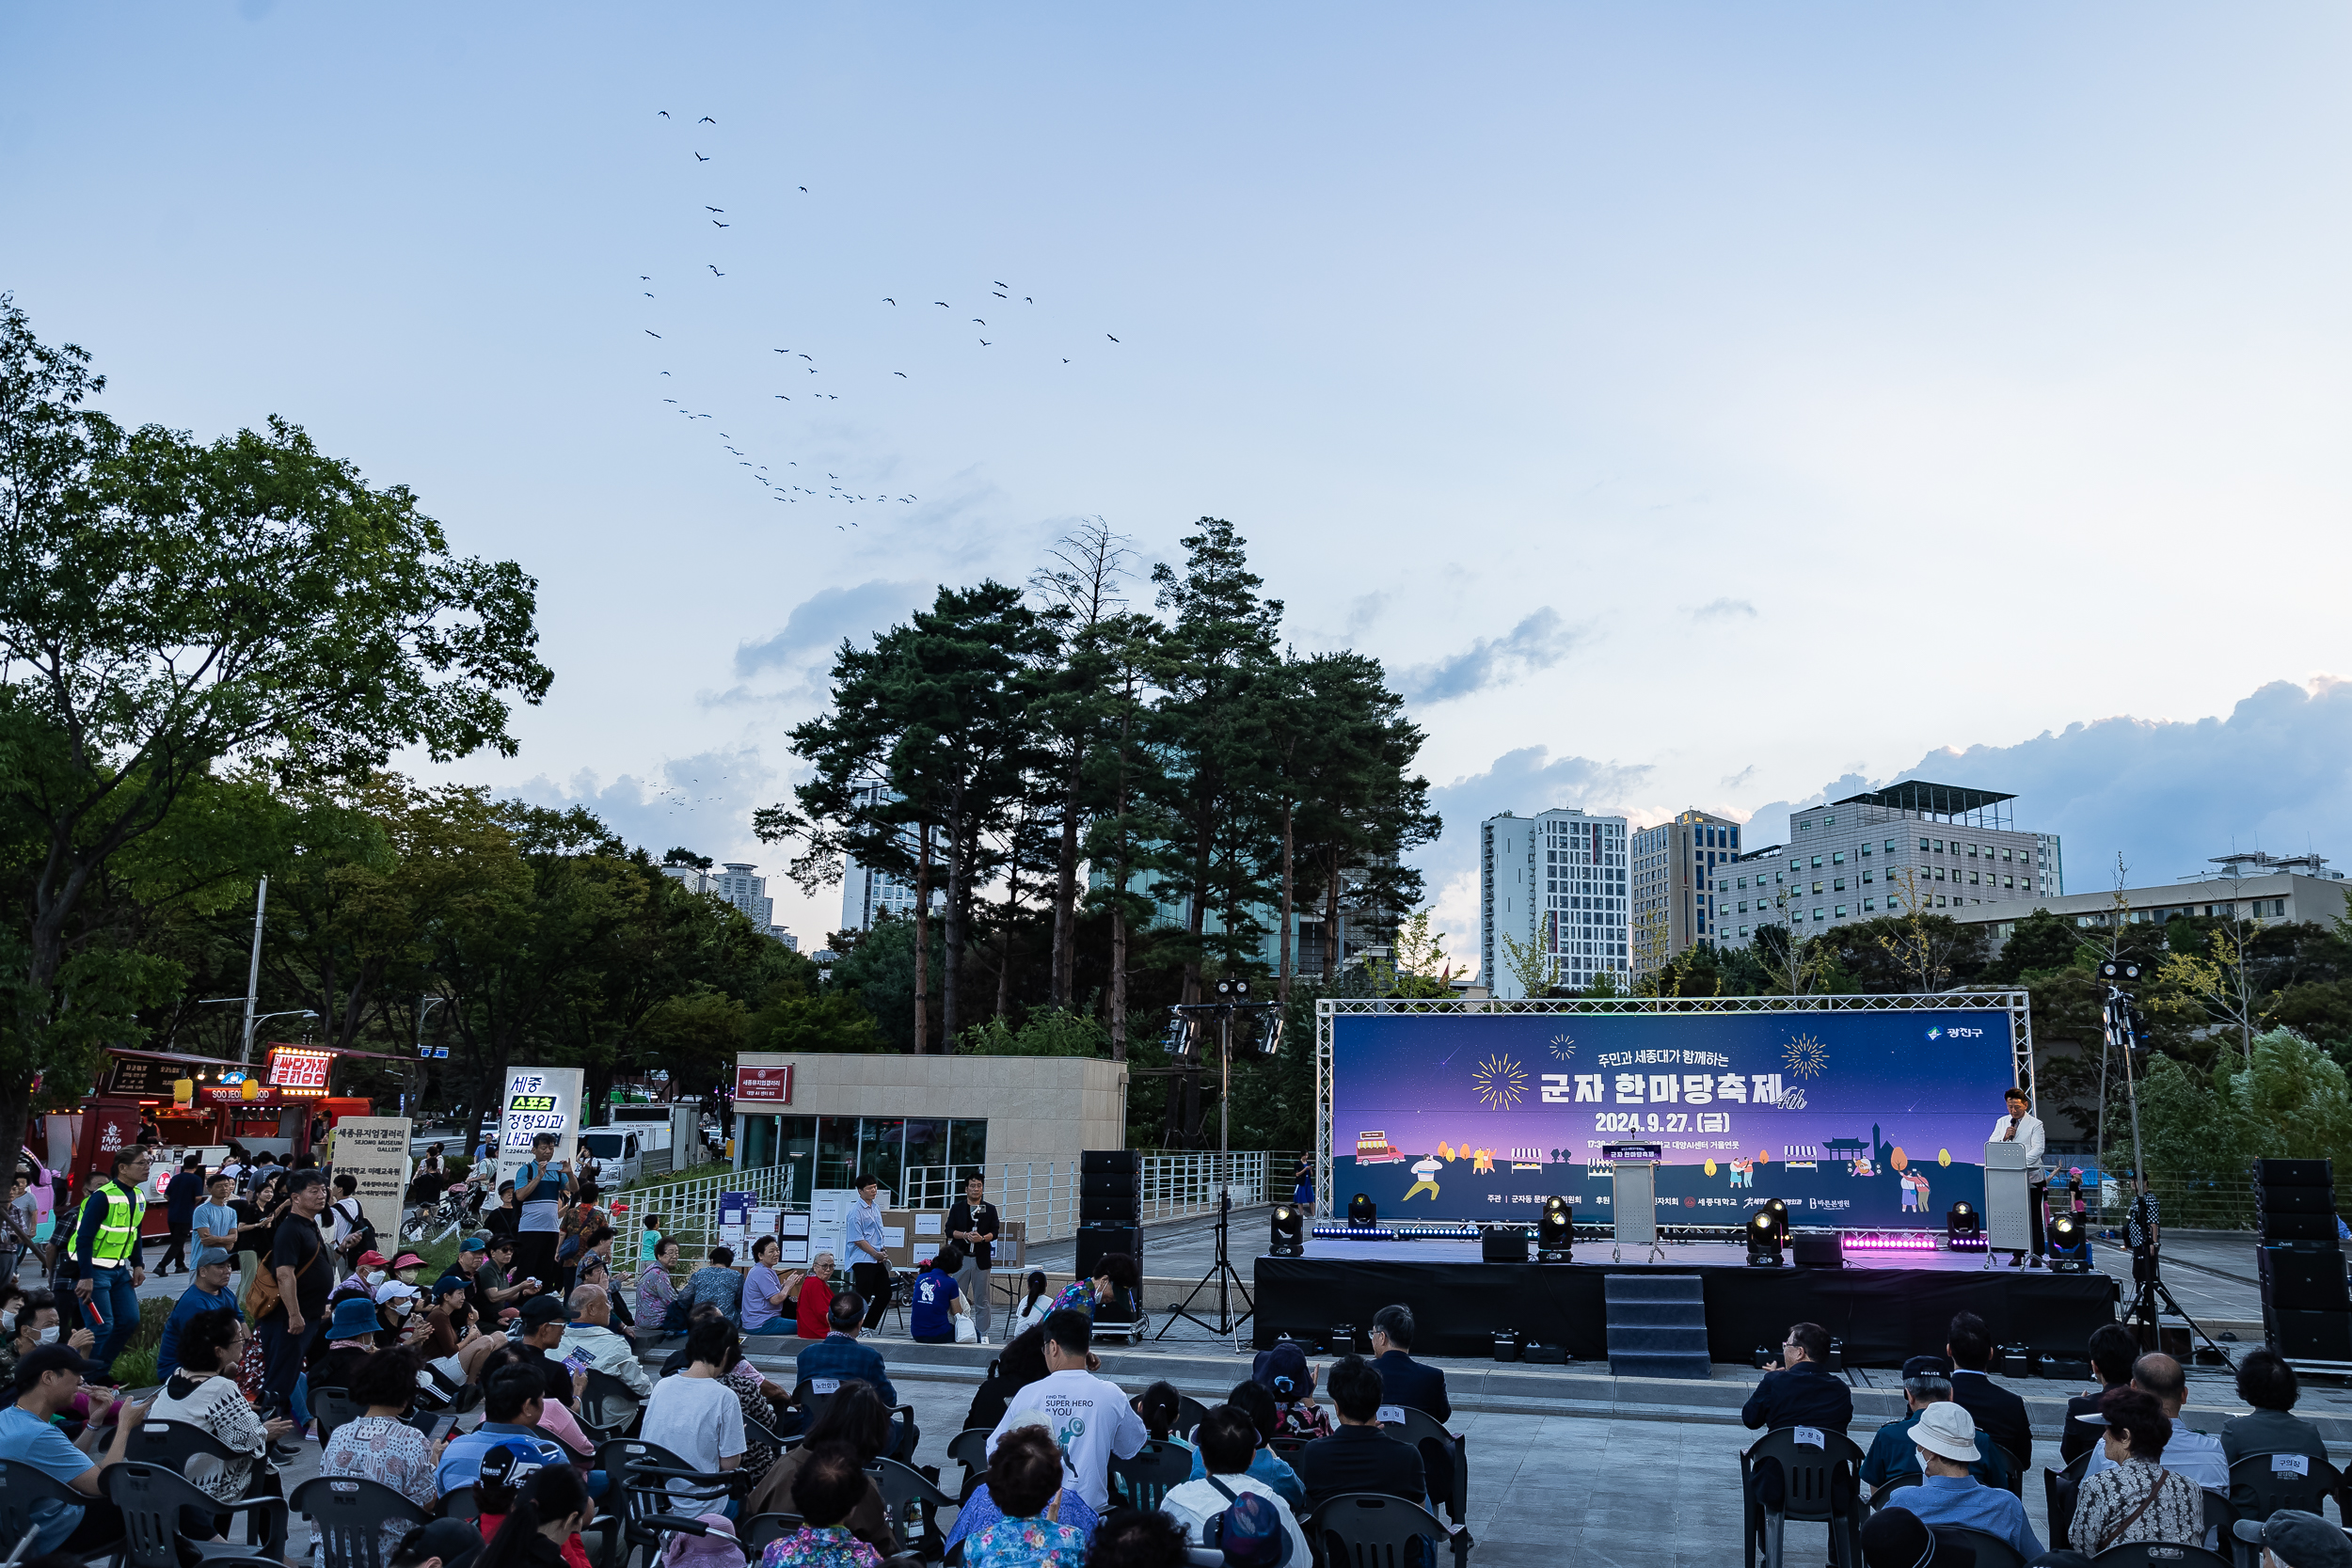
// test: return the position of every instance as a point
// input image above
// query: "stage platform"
(1887, 1306)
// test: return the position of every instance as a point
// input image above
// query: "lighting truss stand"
(1195, 1014)
(1228, 1282)
(2150, 1294)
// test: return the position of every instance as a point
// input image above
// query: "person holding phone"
(540, 1188)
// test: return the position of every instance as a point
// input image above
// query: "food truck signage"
(293, 1070)
(137, 1078)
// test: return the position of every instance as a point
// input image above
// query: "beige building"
(2267, 899)
(1676, 865)
(922, 1123)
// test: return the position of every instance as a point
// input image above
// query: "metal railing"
(1043, 1194)
(689, 1211)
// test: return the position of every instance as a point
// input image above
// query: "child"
(1033, 1310)
(504, 1470)
(830, 1485)
(1024, 1480)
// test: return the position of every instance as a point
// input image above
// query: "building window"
(1866, 846)
(1838, 859)
(1866, 875)
(1841, 912)
(1890, 846)
(1869, 903)
(1839, 886)
(1923, 846)
(1816, 912)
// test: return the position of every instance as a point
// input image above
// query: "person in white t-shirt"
(1227, 1441)
(1091, 1419)
(695, 1416)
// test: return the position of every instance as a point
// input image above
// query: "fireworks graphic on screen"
(1500, 1082)
(1806, 1055)
(1564, 1048)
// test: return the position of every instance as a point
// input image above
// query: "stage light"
(1964, 1228)
(1290, 1228)
(2068, 1244)
(1363, 1210)
(2120, 971)
(1555, 1230)
(1763, 1240)
(1779, 1210)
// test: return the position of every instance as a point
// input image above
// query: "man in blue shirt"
(511, 1408)
(1946, 1436)
(824, 1366)
(208, 1292)
(2195, 1454)
(1927, 1380)
(869, 1265)
(47, 1378)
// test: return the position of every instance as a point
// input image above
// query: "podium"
(1633, 1197)
(2007, 1199)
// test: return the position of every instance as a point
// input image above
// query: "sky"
(1703, 407)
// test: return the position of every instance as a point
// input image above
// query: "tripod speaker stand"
(1227, 1281)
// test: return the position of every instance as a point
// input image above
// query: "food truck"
(197, 1105)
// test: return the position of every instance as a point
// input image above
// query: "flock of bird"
(793, 489)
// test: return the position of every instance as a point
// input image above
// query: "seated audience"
(506, 1467)
(812, 1300)
(1021, 1363)
(2113, 1352)
(717, 1283)
(761, 1305)
(838, 1356)
(2134, 1496)
(1095, 1413)
(937, 1302)
(1134, 1538)
(350, 1339)
(203, 1391)
(511, 1408)
(980, 1508)
(1927, 1380)
(1894, 1538)
(2294, 1539)
(1359, 1457)
(660, 1308)
(551, 1508)
(1800, 1392)
(1284, 1372)
(1949, 1495)
(2186, 1452)
(1264, 1464)
(2266, 1381)
(854, 1419)
(380, 1445)
(1998, 1413)
(695, 1415)
(1025, 1475)
(591, 1333)
(830, 1486)
(1227, 1441)
(1158, 1407)
(47, 1379)
(1405, 1380)
(1036, 1302)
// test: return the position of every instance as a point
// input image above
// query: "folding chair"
(1992, 1551)
(597, 1411)
(458, 1503)
(1812, 1478)
(2016, 1470)
(640, 1474)
(192, 1453)
(1425, 1431)
(1368, 1529)
(151, 1498)
(348, 1517)
(1143, 1481)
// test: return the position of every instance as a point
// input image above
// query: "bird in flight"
(648, 293)
(781, 395)
(669, 400)
(941, 303)
(900, 375)
(707, 208)
(804, 190)
(887, 300)
(784, 351)
(714, 267)
(1107, 335)
(985, 343)
(651, 333)
(977, 321)
(706, 120)
(700, 159)
(717, 224)
(1001, 296)
(810, 360)
(644, 278)
(1029, 298)
(663, 113)
(1001, 283)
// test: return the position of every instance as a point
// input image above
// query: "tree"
(168, 607)
(1528, 963)
(1125, 833)
(2215, 985)
(1923, 946)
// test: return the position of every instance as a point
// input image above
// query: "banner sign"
(374, 1150)
(1852, 1119)
(768, 1085)
(537, 1100)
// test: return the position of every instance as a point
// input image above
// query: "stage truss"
(2017, 1004)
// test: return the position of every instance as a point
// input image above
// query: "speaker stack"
(1110, 1208)
(2307, 1312)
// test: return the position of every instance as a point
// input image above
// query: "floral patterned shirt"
(1026, 1543)
(2177, 1515)
(831, 1547)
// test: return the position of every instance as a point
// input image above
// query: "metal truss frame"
(2017, 1004)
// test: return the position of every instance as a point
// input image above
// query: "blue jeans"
(113, 1298)
(773, 1325)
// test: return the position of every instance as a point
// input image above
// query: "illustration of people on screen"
(1914, 1190)
(1744, 1173)
(1426, 1171)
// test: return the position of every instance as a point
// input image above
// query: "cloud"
(702, 803)
(818, 623)
(1733, 780)
(1723, 609)
(1538, 643)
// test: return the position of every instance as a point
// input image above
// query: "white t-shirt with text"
(1089, 1417)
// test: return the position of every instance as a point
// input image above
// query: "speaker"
(1122, 1162)
(2313, 1336)
(2294, 1172)
(1826, 1251)
(1096, 1242)
(2296, 1227)
(1505, 1244)
(2295, 1200)
(2298, 1281)
(1115, 1186)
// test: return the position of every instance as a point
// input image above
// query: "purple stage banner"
(1865, 1119)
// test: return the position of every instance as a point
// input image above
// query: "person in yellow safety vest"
(106, 1248)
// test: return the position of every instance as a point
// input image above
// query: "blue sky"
(1694, 405)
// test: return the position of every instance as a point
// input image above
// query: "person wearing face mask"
(408, 1268)
(367, 1274)
(36, 1325)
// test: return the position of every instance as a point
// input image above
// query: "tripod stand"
(1226, 1325)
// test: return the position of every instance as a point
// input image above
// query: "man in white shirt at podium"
(2022, 1126)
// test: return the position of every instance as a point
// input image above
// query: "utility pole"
(253, 973)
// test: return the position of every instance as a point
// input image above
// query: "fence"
(689, 1211)
(1043, 1194)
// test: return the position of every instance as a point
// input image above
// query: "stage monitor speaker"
(2295, 1200)
(2296, 1281)
(2294, 1172)
(2313, 1336)
(1505, 1244)
(1098, 1242)
(2296, 1227)
(1113, 1186)
(1124, 1162)
(1819, 1251)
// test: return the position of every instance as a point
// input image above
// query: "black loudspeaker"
(1113, 1186)
(1097, 1242)
(2295, 1200)
(2313, 1336)
(1819, 1252)
(2297, 1228)
(1122, 1162)
(2294, 1172)
(1503, 1244)
(2294, 1280)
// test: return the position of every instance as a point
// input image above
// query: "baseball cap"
(1944, 1428)
(511, 1463)
(2300, 1540)
(1249, 1533)
(449, 1282)
(211, 1255)
(43, 1360)
(370, 1259)
(1927, 1366)
(546, 1309)
(474, 1244)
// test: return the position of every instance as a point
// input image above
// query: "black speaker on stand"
(1110, 1208)
(2306, 1309)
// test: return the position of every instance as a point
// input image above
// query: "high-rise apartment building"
(1943, 845)
(1556, 879)
(869, 893)
(1674, 885)
(735, 884)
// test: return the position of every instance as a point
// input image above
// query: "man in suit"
(1800, 1392)
(1405, 1380)
(1999, 1414)
(1359, 1457)
(2113, 1352)
(823, 1367)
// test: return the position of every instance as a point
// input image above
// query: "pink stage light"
(1890, 1241)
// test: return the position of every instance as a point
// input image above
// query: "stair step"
(1659, 1366)
(1661, 1339)
(1652, 1287)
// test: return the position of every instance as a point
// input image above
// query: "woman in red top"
(816, 1298)
(504, 1471)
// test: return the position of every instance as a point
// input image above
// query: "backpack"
(362, 1237)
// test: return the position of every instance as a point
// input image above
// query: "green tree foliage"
(2202, 1132)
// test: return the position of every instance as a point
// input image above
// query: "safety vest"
(119, 1231)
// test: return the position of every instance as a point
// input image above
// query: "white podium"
(2007, 1199)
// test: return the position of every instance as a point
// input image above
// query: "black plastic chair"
(906, 1490)
(597, 1411)
(2016, 1482)
(1992, 1551)
(331, 1408)
(1425, 1432)
(969, 1448)
(458, 1503)
(151, 1498)
(1143, 1481)
(1368, 1530)
(21, 1487)
(1810, 1477)
(1887, 1488)
(2158, 1554)
(192, 1453)
(640, 1474)
(348, 1517)
(1189, 1413)
(2258, 1490)
(760, 1529)
(1285, 1447)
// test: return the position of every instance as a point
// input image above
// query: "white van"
(620, 1155)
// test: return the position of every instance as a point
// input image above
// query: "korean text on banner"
(537, 1100)
(374, 1150)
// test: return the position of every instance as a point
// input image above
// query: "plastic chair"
(348, 1518)
(458, 1503)
(331, 1408)
(21, 1487)
(1809, 1475)
(640, 1474)
(597, 1414)
(1189, 1413)
(760, 1529)
(2058, 1492)
(1423, 1430)
(1893, 1484)
(1368, 1529)
(1285, 1447)
(969, 1448)
(1143, 1481)
(1992, 1551)
(2257, 1490)
(2158, 1554)
(2016, 1469)
(903, 1489)
(151, 1498)
(190, 1453)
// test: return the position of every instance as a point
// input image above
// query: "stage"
(1887, 1306)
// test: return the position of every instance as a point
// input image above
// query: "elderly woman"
(2136, 1497)
(765, 1300)
(203, 1391)
(814, 1297)
(717, 1284)
(658, 1305)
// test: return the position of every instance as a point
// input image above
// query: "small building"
(2240, 891)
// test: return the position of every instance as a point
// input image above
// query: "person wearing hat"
(1927, 1380)
(510, 1413)
(1284, 1372)
(367, 1273)
(350, 1340)
(539, 1331)
(1945, 1438)
(409, 1269)
(1227, 1441)
(208, 1291)
(1894, 1538)
(2293, 1539)
(487, 1256)
(47, 1379)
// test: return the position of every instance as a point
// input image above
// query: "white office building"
(1675, 872)
(1556, 879)
(869, 893)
